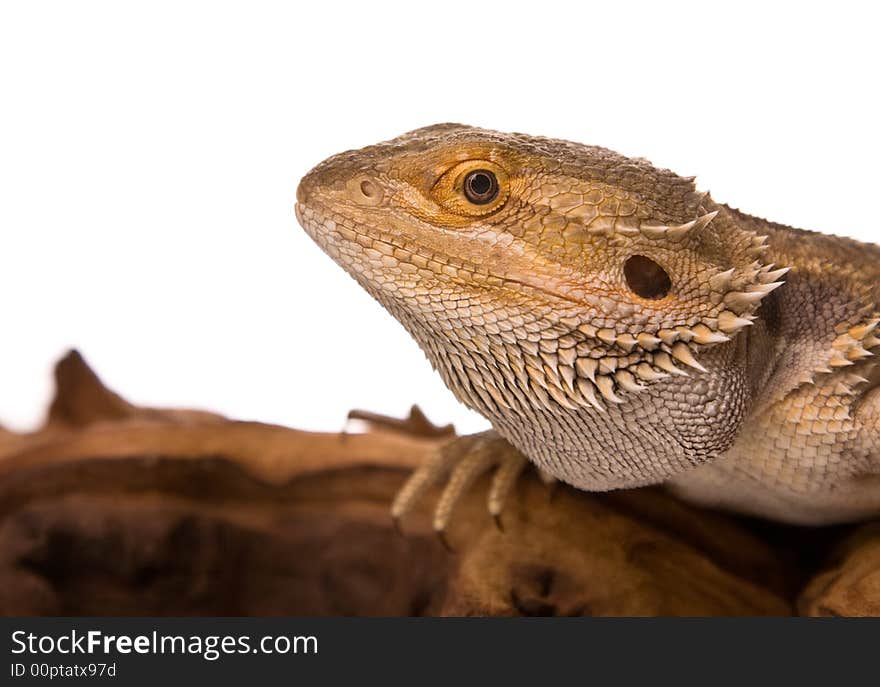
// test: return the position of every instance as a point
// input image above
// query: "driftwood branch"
(115, 509)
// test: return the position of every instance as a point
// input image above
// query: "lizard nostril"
(368, 188)
(365, 191)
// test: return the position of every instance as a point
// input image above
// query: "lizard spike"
(703, 220)
(743, 300)
(543, 399)
(475, 378)
(653, 231)
(514, 357)
(625, 226)
(627, 341)
(586, 367)
(607, 365)
(588, 391)
(731, 323)
(758, 245)
(871, 342)
(551, 374)
(512, 375)
(842, 342)
(508, 337)
(559, 396)
(676, 232)
(679, 231)
(704, 335)
(606, 387)
(768, 287)
(668, 336)
(568, 376)
(457, 364)
(857, 352)
(568, 341)
(664, 362)
(497, 351)
(567, 356)
(607, 336)
(745, 277)
(497, 396)
(862, 330)
(684, 334)
(529, 347)
(628, 382)
(775, 275)
(647, 341)
(648, 374)
(839, 360)
(721, 282)
(681, 351)
(762, 288)
(483, 394)
(533, 360)
(550, 359)
(844, 388)
(587, 329)
(537, 377)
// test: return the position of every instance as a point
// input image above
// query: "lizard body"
(616, 326)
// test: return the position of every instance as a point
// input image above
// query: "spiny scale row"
(568, 376)
(676, 232)
(570, 383)
(854, 345)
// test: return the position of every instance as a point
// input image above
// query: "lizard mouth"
(330, 230)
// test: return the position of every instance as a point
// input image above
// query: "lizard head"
(537, 271)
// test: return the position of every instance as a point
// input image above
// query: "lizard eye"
(480, 186)
(472, 188)
(646, 278)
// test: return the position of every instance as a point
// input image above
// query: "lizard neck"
(797, 334)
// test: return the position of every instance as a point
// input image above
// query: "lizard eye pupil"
(481, 187)
(646, 278)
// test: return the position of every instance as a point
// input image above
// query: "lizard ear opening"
(646, 278)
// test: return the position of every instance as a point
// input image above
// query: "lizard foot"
(461, 461)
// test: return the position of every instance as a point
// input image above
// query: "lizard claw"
(499, 523)
(444, 541)
(462, 461)
(505, 477)
(397, 526)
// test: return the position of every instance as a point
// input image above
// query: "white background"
(149, 155)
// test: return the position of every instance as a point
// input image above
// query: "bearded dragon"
(616, 326)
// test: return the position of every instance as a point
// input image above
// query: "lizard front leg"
(813, 458)
(461, 461)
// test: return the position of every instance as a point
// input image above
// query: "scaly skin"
(735, 393)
